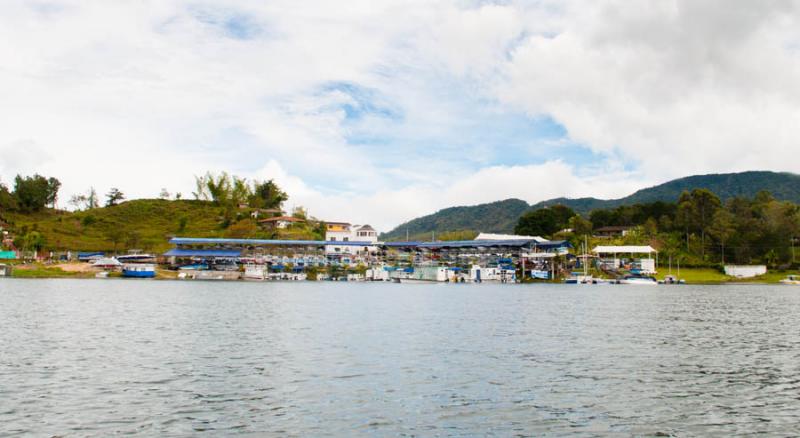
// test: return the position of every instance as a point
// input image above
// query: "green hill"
(502, 216)
(497, 216)
(145, 224)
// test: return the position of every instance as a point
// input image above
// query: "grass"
(40, 271)
(714, 276)
(697, 275)
(145, 224)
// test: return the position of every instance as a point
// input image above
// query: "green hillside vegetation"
(697, 229)
(495, 217)
(223, 208)
(502, 216)
(783, 186)
(145, 224)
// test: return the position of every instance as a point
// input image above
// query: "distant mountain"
(501, 216)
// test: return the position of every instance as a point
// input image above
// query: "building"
(613, 231)
(345, 232)
(280, 222)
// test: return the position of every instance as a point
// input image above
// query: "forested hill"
(783, 186)
(501, 216)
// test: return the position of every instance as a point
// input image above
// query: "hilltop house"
(345, 232)
(280, 222)
(613, 231)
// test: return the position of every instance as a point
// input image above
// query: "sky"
(382, 111)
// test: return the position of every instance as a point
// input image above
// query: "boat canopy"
(263, 242)
(216, 253)
(624, 250)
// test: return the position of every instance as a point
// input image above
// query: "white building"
(344, 232)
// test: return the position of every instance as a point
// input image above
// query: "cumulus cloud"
(380, 112)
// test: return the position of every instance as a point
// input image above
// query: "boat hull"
(138, 274)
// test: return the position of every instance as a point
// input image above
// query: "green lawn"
(712, 276)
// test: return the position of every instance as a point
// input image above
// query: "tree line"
(698, 227)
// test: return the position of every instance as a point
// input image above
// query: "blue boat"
(139, 271)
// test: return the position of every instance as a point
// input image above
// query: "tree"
(696, 209)
(113, 197)
(299, 212)
(77, 201)
(541, 222)
(164, 194)
(562, 214)
(34, 193)
(579, 225)
(92, 201)
(722, 228)
(267, 194)
(86, 201)
(7, 200)
(33, 241)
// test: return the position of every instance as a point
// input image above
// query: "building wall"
(350, 235)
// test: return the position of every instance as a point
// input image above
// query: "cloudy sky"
(381, 111)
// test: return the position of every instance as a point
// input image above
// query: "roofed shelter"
(646, 265)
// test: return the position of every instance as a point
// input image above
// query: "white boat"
(108, 263)
(792, 279)
(639, 280)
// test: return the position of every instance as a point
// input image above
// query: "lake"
(170, 358)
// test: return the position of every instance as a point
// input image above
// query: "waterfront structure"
(745, 271)
(345, 232)
(633, 263)
(465, 260)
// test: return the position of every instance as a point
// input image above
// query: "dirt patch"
(75, 267)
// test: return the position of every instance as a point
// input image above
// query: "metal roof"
(515, 243)
(202, 253)
(256, 242)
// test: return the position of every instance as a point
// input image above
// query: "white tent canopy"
(491, 236)
(624, 250)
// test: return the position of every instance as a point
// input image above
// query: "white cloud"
(144, 95)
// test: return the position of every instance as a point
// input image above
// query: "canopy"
(624, 250)
(217, 253)
(107, 262)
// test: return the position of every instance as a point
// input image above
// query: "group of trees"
(90, 200)
(225, 189)
(698, 227)
(30, 194)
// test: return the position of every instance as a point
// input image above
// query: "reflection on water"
(308, 359)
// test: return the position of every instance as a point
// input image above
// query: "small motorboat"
(791, 279)
(671, 279)
(641, 280)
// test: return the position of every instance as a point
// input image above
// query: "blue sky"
(381, 112)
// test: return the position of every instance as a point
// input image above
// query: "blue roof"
(214, 241)
(202, 253)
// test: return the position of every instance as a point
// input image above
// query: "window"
(346, 239)
(333, 239)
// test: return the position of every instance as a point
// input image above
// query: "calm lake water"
(94, 357)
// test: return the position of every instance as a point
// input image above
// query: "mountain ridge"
(497, 217)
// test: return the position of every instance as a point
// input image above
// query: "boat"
(791, 279)
(639, 280)
(107, 263)
(137, 258)
(671, 279)
(139, 270)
